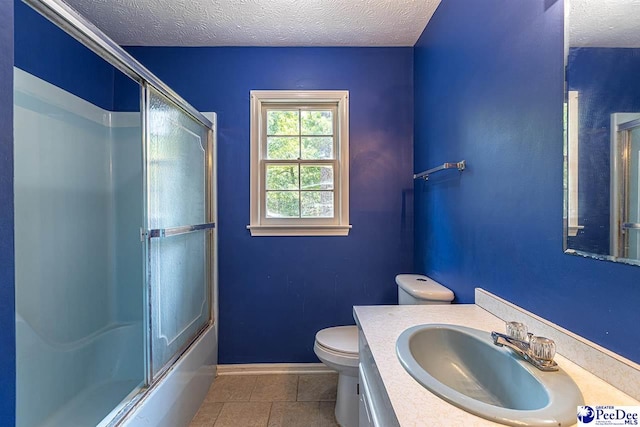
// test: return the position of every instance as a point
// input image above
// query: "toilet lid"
(423, 287)
(339, 338)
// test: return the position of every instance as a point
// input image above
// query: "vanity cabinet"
(375, 407)
(413, 405)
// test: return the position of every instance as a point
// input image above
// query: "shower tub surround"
(79, 336)
(581, 359)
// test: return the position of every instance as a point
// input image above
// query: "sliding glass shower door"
(179, 228)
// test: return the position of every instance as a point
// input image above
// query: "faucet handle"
(542, 348)
(517, 330)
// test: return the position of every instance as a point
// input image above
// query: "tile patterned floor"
(269, 401)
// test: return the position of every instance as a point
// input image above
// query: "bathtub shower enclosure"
(114, 230)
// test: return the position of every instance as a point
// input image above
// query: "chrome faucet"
(538, 351)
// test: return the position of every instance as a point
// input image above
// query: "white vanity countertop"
(416, 406)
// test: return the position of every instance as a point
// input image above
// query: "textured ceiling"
(604, 23)
(259, 22)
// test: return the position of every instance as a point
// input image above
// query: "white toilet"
(337, 347)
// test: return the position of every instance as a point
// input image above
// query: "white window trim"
(341, 226)
(572, 153)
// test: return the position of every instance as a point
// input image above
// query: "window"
(299, 163)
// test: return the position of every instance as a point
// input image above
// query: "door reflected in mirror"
(602, 123)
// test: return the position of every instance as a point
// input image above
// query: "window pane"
(283, 148)
(283, 122)
(319, 147)
(317, 122)
(283, 204)
(316, 177)
(282, 177)
(317, 204)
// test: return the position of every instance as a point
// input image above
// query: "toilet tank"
(418, 289)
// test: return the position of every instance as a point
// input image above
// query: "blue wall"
(47, 52)
(607, 80)
(276, 292)
(7, 316)
(489, 89)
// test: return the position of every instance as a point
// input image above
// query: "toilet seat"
(331, 357)
(338, 348)
(341, 339)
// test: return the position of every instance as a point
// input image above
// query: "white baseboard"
(274, 368)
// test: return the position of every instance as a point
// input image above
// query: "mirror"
(602, 130)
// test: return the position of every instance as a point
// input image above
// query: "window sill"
(299, 230)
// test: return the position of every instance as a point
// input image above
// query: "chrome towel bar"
(425, 175)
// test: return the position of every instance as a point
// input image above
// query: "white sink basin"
(463, 366)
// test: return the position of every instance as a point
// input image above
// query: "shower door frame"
(98, 42)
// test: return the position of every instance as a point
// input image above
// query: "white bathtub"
(175, 399)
